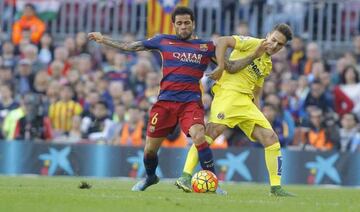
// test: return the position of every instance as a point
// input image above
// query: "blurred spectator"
(341, 64)
(289, 100)
(53, 92)
(91, 99)
(81, 43)
(313, 54)
(342, 103)
(270, 87)
(128, 99)
(57, 68)
(84, 64)
(61, 113)
(34, 125)
(176, 139)
(80, 92)
(8, 54)
(152, 86)
(7, 103)
(279, 125)
(97, 125)
(318, 135)
(119, 70)
(119, 115)
(61, 55)
(46, 49)
(296, 55)
(70, 46)
(350, 86)
(131, 132)
(25, 77)
(303, 89)
(356, 44)
(73, 77)
(11, 119)
(138, 77)
(317, 98)
(29, 27)
(30, 52)
(75, 134)
(6, 75)
(348, 132)
(116, 91)
(283, 116)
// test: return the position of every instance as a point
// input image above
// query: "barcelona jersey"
(184, 63)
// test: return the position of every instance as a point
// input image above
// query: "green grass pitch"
(62, 194)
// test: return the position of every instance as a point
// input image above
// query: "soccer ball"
(204, 181)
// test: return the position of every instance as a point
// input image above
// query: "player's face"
(276, 40)
(184, 26)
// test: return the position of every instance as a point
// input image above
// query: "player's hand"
(216, 73)
(261, 48)
(96, 36)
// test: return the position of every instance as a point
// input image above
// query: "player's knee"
(213, 131)
(149, 151)
(197, 133)
(198, 137)
(270, 139)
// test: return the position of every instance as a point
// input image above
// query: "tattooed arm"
(125, 46)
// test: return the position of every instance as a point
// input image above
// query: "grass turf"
(62, 194)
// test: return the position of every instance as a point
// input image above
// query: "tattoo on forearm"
(238, 65)
(125, 46)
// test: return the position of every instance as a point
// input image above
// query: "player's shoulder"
(246, 38)
(201, 40)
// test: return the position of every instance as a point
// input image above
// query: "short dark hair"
(285, 30)
(182, 11)
(30, 5)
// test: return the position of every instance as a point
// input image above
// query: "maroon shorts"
(165, 115)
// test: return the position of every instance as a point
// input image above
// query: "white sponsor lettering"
(188, 57)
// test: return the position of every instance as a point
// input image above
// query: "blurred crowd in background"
(76, 91)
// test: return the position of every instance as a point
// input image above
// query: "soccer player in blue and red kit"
(185, 59)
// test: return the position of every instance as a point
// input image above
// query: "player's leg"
(212, 132)
(161, 122)
(197, 133)
(150, 160)
(270, 141)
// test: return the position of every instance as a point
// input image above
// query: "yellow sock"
(209, 139)
(274, 163)
(192, 160)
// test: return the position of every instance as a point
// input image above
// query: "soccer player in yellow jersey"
(236, 99)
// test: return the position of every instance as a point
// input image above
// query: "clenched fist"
(96, 36)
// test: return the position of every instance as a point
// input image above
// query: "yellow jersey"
(252, 75)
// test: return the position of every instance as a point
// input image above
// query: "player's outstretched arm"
(237, 65)
(125, 46)
(222, 44)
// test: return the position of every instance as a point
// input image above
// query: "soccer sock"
(192, 160)
(274, 163)
(206, 157)
(209, 140)
(150, 163)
